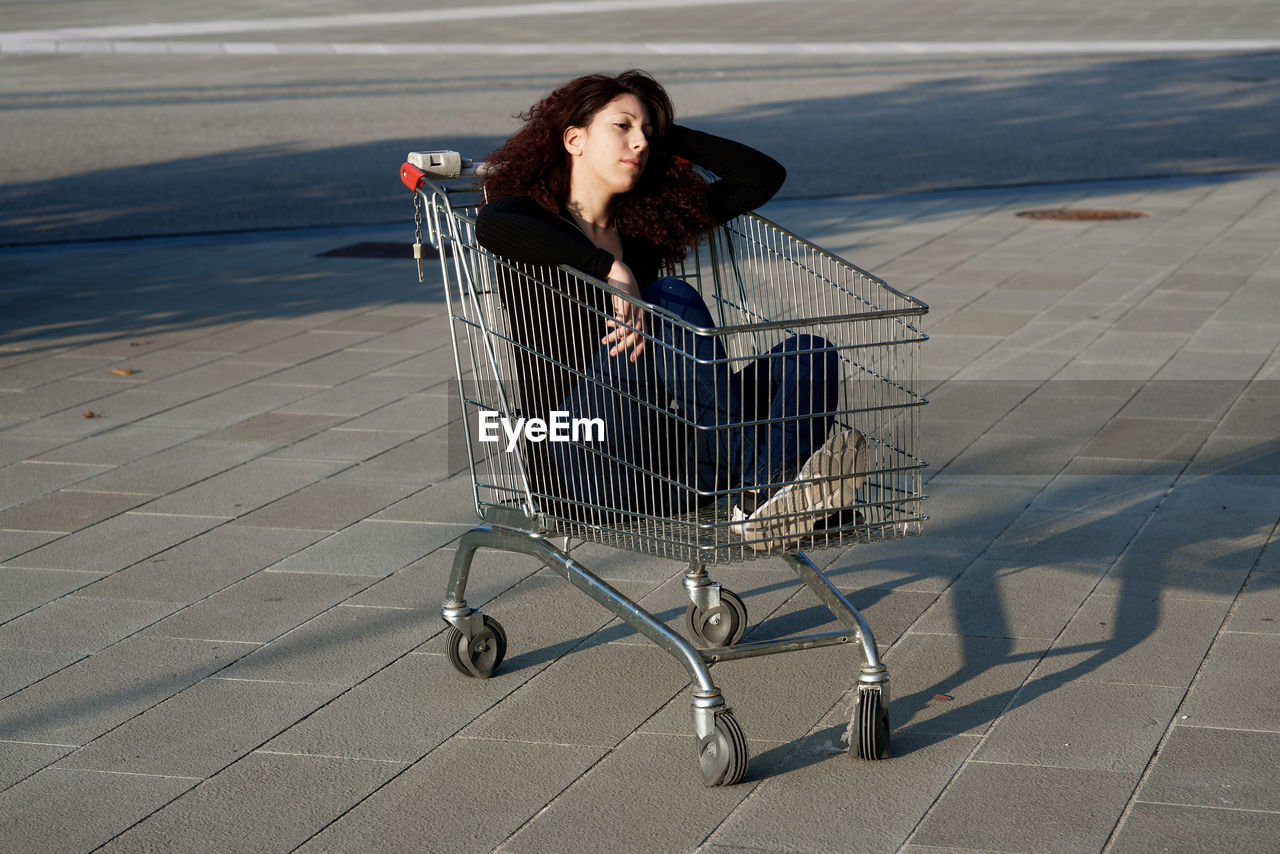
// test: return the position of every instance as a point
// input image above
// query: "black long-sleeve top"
(557, 330)
(520, 229)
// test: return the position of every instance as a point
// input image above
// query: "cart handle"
(411, 176)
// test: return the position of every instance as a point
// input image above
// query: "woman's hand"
(625, 330)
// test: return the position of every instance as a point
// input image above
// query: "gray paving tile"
(941, 442)
(926, 564)
(674, 816)
(1153, 569)
(172, 469)
(342, 646)
(274, 428)
(343, 445)
(19, 761)
(420, 463)
(423, 583)
(37, 372)
(68, 510)
(1149, 438)
(1041, 809)
(1254, 413)
(1144, 319)
(1135, 640)
(326, 506)
(977, 507)
(342, 366)
(202, 565)
(117, 447)
(409, 339)
(1008, 454)
(370, 321)
(302, 347)
(451, 500)
(417, 413)
(80, 702)
(22, 590)
(261, 607)
(211, 378)
(200, 730)
(81, 624)
(25, 481)
(629, 684)
(229, 406)
(1115, 494)
(358, 396)
(1005, 598)
(115, 543)
(15, 448)
(289, 798)
(371, 548)
(21, 667)
(1221, 768)
(459, 779)
(977, 400)
(242, 336)
(819, 799)
(1058, 415)
(15, 543)
(980, 674)
(1165, 827)
(106, 804)
(1255, 611)
(1062, 536)
(400, 713)
(1237, 456)
(1236, 684)
(1180, 399)
(1086, 725)
(57, 396)
(242, 489)
(121, 408)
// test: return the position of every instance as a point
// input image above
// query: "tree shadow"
(973, 124)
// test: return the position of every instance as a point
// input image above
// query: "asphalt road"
(230, 120)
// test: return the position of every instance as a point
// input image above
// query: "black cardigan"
(519, 228)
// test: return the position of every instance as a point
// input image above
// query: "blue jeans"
(681, 426)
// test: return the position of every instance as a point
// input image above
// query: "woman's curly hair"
(668, 206)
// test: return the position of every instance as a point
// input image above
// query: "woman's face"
(612, 151)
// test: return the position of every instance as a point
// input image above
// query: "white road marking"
(845, 49)
(351, 21)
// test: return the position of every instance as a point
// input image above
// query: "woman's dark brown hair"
(668, 207)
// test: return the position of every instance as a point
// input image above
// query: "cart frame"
(514, 519)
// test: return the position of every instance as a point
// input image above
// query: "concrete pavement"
(295, 112)
(220, 625)
(228, 498)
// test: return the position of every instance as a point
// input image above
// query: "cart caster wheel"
(719, 626)
(870, 726)
(482, 655)
(723, 754)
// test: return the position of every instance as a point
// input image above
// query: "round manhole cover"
(1080, 214)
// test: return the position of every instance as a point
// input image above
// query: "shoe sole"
(821, 488)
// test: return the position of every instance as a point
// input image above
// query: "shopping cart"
(765, 287)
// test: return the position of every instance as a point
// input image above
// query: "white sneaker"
(828, 481)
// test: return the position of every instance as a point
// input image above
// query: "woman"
(602, 180)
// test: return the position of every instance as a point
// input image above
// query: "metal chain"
(417, 233)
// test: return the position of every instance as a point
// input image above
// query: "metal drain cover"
(1080, 214)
